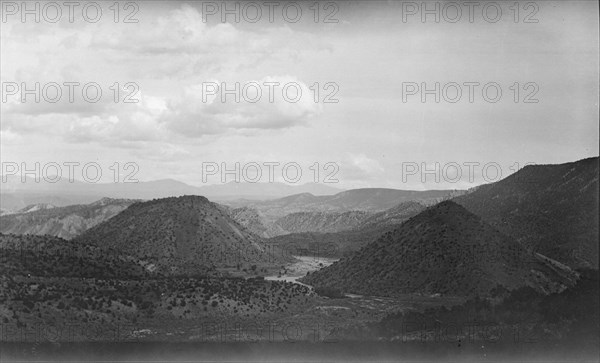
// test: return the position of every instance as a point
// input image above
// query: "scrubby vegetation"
(329, 291)
(550, 208)
(47, 280)
(524, 314)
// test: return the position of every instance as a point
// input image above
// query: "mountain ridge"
(550, 208)
(65, 222)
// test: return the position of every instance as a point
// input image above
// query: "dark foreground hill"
(569, 318)
(182, 234)
(65, 222)
(443, 250)
(552, 209)
(48, 256)
(85, 293)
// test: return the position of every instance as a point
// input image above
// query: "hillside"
(342, 243)
(571, 315)
(552, 209)
(380, 199)
(270, 226)
(254, 221)
(321, 221)
(50, 256)
(392, 216)
(35, 207)
(446, 250)
(27, 209)
(180, 235)
(46, 280)
(65, 222)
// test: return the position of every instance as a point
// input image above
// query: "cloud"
(367, 165)
(154, 118)
(180, 31)
(196, 113)
(359, 170)
(178, 45)
(113, 124)
(163, 152)
(168, 54)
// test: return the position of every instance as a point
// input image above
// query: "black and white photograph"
(299, 181)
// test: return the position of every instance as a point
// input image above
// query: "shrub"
(329, 291)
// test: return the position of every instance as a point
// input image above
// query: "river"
(299, 268)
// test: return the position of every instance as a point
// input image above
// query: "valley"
(300, 181)
(450, 269)
(298, 269)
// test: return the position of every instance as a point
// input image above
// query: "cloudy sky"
(364, 57)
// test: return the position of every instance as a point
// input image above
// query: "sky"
(365, 56)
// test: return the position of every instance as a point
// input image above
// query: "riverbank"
(298, 269)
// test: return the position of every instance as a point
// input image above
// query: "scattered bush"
(329, 291)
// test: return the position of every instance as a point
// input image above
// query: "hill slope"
(254, 221)
(49, 280)
(182, 235)
(392, 216)
(550, 208)
(321, 221)
(65, 222)
(447, 250)
(50, 256)
(35, 207)
(341, 243)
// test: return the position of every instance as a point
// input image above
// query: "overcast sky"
(368, 54)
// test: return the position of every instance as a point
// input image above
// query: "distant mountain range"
(65, 222)
(308, 213)
(36, 207)
(367, 200)
(27, 209)
(443, 250)
(341, 212)
(17, 194)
